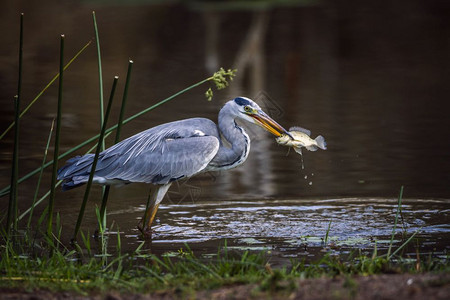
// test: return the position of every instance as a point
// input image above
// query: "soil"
(388, 286)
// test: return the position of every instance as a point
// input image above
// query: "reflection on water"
(376, 90)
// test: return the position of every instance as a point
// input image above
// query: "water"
(293, 229)
(377, 91)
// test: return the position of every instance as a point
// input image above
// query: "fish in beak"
(269, 124)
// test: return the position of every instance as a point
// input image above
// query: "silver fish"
(301, 138)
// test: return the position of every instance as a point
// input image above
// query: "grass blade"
(94, 163)
(57, 135)
(325, 242)
(12, 207)
(403, 245)
(399, 206)
(44, 89)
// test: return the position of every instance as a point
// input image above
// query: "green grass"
(83, 272)
(32, 260)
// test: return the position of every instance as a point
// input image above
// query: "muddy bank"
(387, 286)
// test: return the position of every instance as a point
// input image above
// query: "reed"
(12, 206)
(94, 163)
(100, 88)
(38, 184)
(116, 140)
(100, 74)
(124, 101)
(57, 139)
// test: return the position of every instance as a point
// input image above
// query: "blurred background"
(372, 77)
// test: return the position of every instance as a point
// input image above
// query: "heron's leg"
(152, 207)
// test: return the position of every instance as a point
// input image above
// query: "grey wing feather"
(170, 160)
(158, 155)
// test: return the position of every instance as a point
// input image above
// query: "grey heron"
(172, 151)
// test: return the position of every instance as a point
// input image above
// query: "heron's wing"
(158, 156)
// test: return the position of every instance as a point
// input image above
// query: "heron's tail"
(76, 171)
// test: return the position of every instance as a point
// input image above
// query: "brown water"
(294, 228)
(373, 80)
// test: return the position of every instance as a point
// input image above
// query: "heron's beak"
(269, 124)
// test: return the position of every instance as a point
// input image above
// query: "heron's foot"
(145, 230)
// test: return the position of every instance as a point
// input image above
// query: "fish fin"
(301, 129)
(298, 150)
(312, 147)
(320, 140)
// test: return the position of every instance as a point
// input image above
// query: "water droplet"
(306, 176)
(310, 183)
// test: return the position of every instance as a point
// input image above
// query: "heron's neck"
(236, 154)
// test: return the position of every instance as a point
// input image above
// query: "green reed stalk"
(117, 139)
(399, 207)
(213, 78)
(327, 235)
(100, 82)
(44, 89)
(12, 206)
(124, 101)
(51, 200)
(94, 163)
(100, 74)
(38, 185)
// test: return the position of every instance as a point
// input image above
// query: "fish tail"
(320, 140)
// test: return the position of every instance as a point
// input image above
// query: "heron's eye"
(247, 108)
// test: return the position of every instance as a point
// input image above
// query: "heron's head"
(246, 109)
